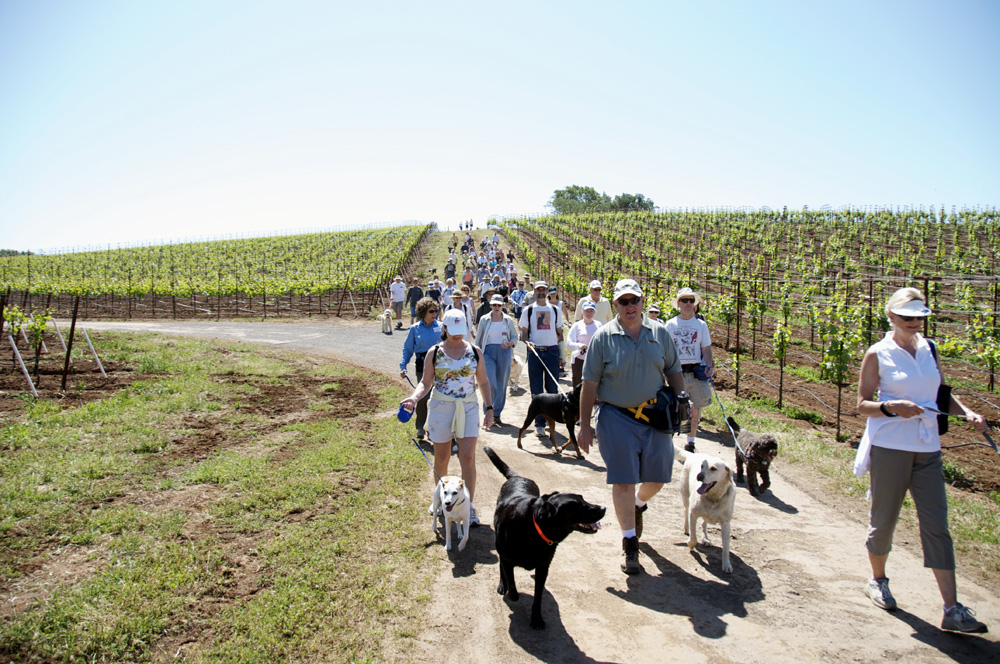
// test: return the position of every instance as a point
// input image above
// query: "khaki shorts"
(441, 413)
(699, 391)
(397, 307)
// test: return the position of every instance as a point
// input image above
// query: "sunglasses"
(432, 311)
(496, 305)
(907, 319)
(686, 300)
(629, 301)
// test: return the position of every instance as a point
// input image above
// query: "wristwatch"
(489, 408)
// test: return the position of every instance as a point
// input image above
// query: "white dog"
(386, 318)
(516, 367)
(708, 493)
(451, 497)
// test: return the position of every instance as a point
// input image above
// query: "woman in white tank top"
(902, 448)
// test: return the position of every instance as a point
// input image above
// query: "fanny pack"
(663, 413)
(699, 370)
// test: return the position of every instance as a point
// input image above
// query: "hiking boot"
(878, 591)
(962, 619)
(689, 447)
(638, 519)
(473, 518)
(630, 551)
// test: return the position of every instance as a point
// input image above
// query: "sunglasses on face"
(628, 302)
(496, 305)
(907, 319)
(432, 311)
(686, 300)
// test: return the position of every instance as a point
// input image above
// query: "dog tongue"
(447, 508)
(705, 487)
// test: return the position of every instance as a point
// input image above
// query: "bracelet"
(489, 408)
(885, 411)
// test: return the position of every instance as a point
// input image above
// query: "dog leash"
(556, 380)
(426, 459)
(726, 419)
(989, 441)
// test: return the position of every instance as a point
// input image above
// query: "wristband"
(885, 411)
(489, 408)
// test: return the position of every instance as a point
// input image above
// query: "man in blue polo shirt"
(626, 364)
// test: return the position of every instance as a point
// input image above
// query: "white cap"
(912, 308)
(454, 321)
(595, 284)
(541, 284)
(627, 287)
(496, 299)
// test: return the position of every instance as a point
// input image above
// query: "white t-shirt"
(398, 290)
(690, 336)
(546, 319)
(580, 335)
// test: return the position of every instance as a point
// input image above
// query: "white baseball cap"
(541, 284)
(454, 320)
(595, 284)
(627, 287)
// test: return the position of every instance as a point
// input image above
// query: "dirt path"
(795, 594)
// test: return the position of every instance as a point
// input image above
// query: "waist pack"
(700, 371)
(663, 413)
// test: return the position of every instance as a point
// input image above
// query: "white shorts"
(440, 415)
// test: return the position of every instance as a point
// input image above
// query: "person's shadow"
(704, 602)
(964, 648)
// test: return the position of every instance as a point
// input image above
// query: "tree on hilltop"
(575, 199)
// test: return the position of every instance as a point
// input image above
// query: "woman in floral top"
(455, 370)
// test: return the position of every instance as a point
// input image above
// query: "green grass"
(287, 557)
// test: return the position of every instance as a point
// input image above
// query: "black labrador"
(530, 526)
(564, 408)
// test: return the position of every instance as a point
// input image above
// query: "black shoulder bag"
(943, 395)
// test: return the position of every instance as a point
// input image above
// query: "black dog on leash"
(564, 408)
(530, 526)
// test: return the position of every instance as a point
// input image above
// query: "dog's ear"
(545, 508)
(461, 484)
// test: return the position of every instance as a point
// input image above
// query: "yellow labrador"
(709, 494)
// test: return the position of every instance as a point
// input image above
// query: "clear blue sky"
(125, 121)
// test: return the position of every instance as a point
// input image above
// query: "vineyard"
(335, 273)
(794, 298)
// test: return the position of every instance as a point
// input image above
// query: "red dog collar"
(539, 529)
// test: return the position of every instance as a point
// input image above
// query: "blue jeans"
(537, 376)
(498, 371)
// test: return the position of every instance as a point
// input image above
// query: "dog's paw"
(727, 566)
(537, 622)
(692, 543)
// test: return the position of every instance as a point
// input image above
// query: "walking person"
(694, 345)
(628, 361)
(901, 447)
(653, 313)
(458, 302)
(553, 298)
(604, 311)
(413, 296)
(454, 370)
(497, 336)
(578, 338)
(397, 289)
(541, 330)
(419, 339)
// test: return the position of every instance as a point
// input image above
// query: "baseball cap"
(595, 284)
(627, 287)
(653, 308)
(553, 289)
(912, 308)
(496, 299)
(454, 320)
(589, 304)
(540, 284)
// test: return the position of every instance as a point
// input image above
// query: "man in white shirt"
(694, 346)
(398, 290)
(603, 312)
(541, 330)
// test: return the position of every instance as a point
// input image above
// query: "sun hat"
(589, 304)
(653, 308)
(496, 299)
(397, 278)
(457, 293)
(687, 292)
(907, 302)
(627, 287)
(454, 321)
(595, 284)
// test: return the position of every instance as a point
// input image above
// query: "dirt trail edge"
(795, 594)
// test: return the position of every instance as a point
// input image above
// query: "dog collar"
(539, 529)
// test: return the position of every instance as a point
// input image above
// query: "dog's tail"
(680, 454)
(498, 462)
(733, 424)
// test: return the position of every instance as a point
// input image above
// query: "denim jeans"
(539, 380)
(498, 370)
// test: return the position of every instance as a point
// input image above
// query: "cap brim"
(912, 308)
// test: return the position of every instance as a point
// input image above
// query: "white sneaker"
(962, 619)
(878, 591)
(540, 432)
(473, 517)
